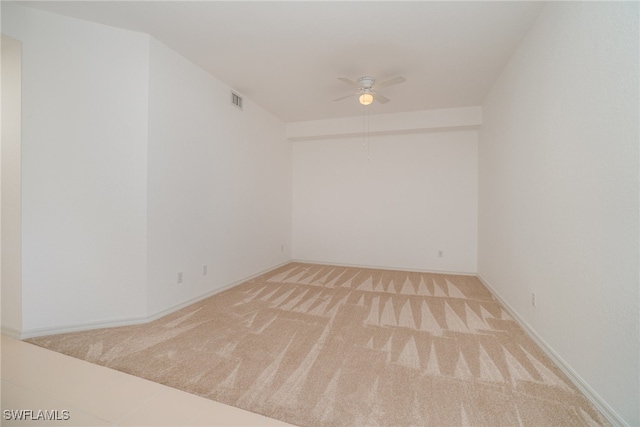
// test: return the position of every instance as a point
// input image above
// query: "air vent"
(236, 100)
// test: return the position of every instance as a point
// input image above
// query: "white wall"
(136, 167)
(84, 133)
(558, 211)
(219, 184)
(11, 247)
(395, 202)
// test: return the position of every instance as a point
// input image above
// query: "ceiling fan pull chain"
(368, 139)
(364, 126)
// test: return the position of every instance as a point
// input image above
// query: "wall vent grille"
(236, 100)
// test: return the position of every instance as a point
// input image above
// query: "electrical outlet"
(533, 299)
(180, 277)
(204, 269)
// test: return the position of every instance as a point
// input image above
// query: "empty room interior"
(321, 213)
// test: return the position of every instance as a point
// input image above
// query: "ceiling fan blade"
(348, 81)
(345, 97)
(393, 81)
(381, 98)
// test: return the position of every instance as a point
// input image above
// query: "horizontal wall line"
(378, 267)
(387, 124)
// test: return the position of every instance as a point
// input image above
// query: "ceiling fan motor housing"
(366, 82)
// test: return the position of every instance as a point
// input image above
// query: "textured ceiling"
(287, 56)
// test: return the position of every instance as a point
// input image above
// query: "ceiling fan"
(367, 89)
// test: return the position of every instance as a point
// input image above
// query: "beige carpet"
(335, 346)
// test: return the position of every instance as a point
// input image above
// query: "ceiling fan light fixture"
(365, 99)
(367, 90)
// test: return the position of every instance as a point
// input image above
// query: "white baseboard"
(61, 329)
(188, 302)
(576, 379)
(13, 333)
(77, 327)
(382, 267)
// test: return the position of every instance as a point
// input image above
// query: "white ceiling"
(286, 56)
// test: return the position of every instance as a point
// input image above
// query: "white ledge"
(415, 121)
